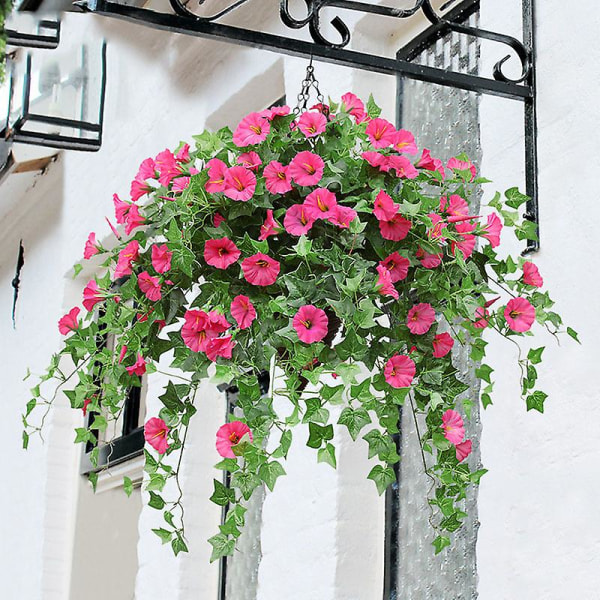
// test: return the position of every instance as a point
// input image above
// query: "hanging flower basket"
(327, 250)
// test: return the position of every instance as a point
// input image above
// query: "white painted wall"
(539, 536)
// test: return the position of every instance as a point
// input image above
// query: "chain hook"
(309, 85)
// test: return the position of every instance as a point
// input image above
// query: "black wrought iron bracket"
(47, 36)
(450, 18)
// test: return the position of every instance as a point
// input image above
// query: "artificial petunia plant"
(327, 250)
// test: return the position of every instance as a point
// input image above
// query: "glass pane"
(446, 121)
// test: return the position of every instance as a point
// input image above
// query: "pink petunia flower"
(156, 433)
(269, 227)
(385, 284)
(400, 371)
(519, 314)
(199, 328)
(253, 129)
(429, 261)
(397, 266)
(442, 344)
(221, 253)
(467, 241)
(354, 106)
(218, 219)
(320, 204)
(127, 256)
(342, 216)
(147, 170)
(183, 154)
(161, 258)
(92, 294)
(222, 346)
(306, 168)
(384, 209)
(460, 165)
(403, 167)
(482, 314)
(420, 318)
(91, 247)
(404, 141)
(243, 311)
(138, 367)
(277, 178)
(531, 275)
(150, 286)
(275, 111)
(492, 230)
(122, 353)
(377, 160)
(113, 228)
(240, 184)
(121, 209)
(437, 230)
(139, 188)
(230, 435)
(463, 450)
(250, 160)
(312, 124)
(395, 229)
(260, 269)
(455, 206)
(429, 163)
(180, 184)
(69, 322)
(381, 133)
(311, 324)
(453, 426)
(134, 219)
(167, 167)
(297, 221)
(216, 176)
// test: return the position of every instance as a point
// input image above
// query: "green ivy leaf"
(222, 495)
(222, 546)
(354, 420)
(127, 486)
(317, 434)
(484, 372)
(573, 334)
(269, 472)
(382, 476)
(178, 545)
(536, 400)
(327, 455)
(156, 501)
(164, 535)
(440, 542)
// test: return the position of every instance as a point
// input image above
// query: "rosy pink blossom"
(395, 229)
(183, 154)
(269, 227)
(320, 204)
(138, 367)
(260, 269)
(297, 221)
(460, 165)
(399, 371)
(442, 344)
(122, 353)
(385, 208)
(200, 327)
(385, 284)
(139, 188)
(397, 266)
(491, 231)
(377, 160)
(275, 111)
(156, 433)
(403, 167)
(438, 227)
(429, 163)
(483, 314)
(150, 286)
(167, 167)
(455, 206)
(91, 247)
(429, 261)
(92, 294)
(134, 219)
(216, 176)
(306, 168)
(404, 141)
(161, 258)
(222, 346)
(230, 435)
(253, 129)
(420, 318)
(218, 219)
(240, 184)
(112, 228)
(147, 170)
(180, 184)
(381, 133)
(311, 324)
(121, 209)
(342, 216)
(354, 106)
(243, 311)
(463, 450)
(531, 275)
(312, 124)
(453, 426)
(277, 178)
(221, 253)
(519, 314)
(250, 160)
(69, 322)
(127, 256)
(467, 241)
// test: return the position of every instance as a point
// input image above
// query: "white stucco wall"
(539, 536)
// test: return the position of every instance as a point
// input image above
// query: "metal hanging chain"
(309, 85)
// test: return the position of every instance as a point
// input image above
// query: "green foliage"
(329, 267)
